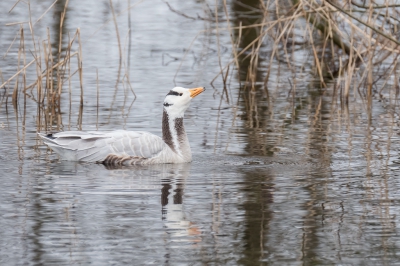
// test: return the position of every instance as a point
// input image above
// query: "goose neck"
(174, 135)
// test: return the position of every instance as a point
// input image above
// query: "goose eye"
(180, 94)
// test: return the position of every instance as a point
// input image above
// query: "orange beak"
(196, 91)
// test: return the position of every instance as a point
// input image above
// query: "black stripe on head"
(172, 92)
(168, 104)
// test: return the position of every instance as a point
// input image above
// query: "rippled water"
(271, 182)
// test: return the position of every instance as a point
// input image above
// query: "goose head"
(178, 100)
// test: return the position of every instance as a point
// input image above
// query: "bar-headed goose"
(122, 147)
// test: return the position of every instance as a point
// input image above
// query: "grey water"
(284, 180)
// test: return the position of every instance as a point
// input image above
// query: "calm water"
(293, 179)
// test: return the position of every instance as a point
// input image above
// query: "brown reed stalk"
(218, 48)
(126, 76)
(119, 44)
(12, 43)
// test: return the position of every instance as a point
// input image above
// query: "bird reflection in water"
(173, 180)
(172, 208)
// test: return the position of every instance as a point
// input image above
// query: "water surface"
(291, 179)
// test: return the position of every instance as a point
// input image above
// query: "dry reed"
(358, 38)
(54, 70)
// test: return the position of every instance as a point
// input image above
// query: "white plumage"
(123, 147)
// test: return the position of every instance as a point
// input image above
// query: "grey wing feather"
(96, 146)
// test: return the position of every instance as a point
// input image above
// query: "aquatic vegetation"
(46, 67)
(349, 45)
(351, 49)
